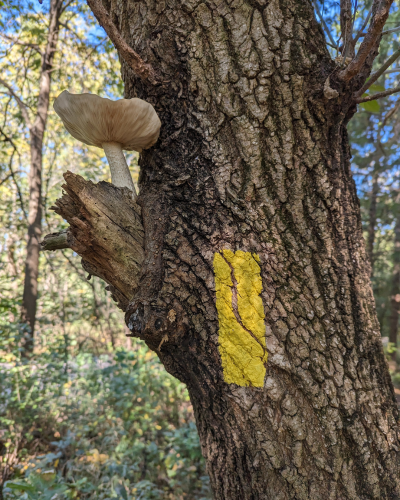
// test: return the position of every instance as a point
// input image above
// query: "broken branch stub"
(55, 241)
(106, 231)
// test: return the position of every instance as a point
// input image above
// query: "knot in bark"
(159, 327)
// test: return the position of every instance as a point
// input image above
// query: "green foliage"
(98, 428)
(396, 381)
(371, 106)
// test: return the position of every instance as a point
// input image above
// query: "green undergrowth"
(97, 427)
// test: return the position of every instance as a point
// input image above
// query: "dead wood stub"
(106, 231)
(55, 241)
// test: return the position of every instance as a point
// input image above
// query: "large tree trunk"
(254, 288)
(35, 209)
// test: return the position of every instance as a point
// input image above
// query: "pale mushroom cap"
(95, 120)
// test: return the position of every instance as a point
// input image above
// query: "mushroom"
(130, 124)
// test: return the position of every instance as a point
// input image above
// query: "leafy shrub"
(105, 427)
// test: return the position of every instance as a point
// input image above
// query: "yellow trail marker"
(241, 318)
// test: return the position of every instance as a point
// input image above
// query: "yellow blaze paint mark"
(241, 336)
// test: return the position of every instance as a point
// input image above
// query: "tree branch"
(33, 46)
(3, 181)
(332, 44)
(65, 26)
(387, 32)
(390, 113)
(360, 33)
(136, 63)
(65, 7)
(46, 67)
(55, 241)
(12, 173)
(22, 106)
(346, 26)
(378, 95)
(378, 73)
(371, 40)
(393, 30)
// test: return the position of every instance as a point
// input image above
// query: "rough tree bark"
(254, 158)
(35, 209)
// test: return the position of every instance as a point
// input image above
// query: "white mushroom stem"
(120, 174)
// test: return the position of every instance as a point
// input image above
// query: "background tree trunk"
(35, 208)
(395, 295)
(372, 219)
(254, 158)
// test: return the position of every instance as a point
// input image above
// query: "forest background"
(91, 413)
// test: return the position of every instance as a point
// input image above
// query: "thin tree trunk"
(254, 288)
(35, 209)
(395, 295)
(372, 220)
